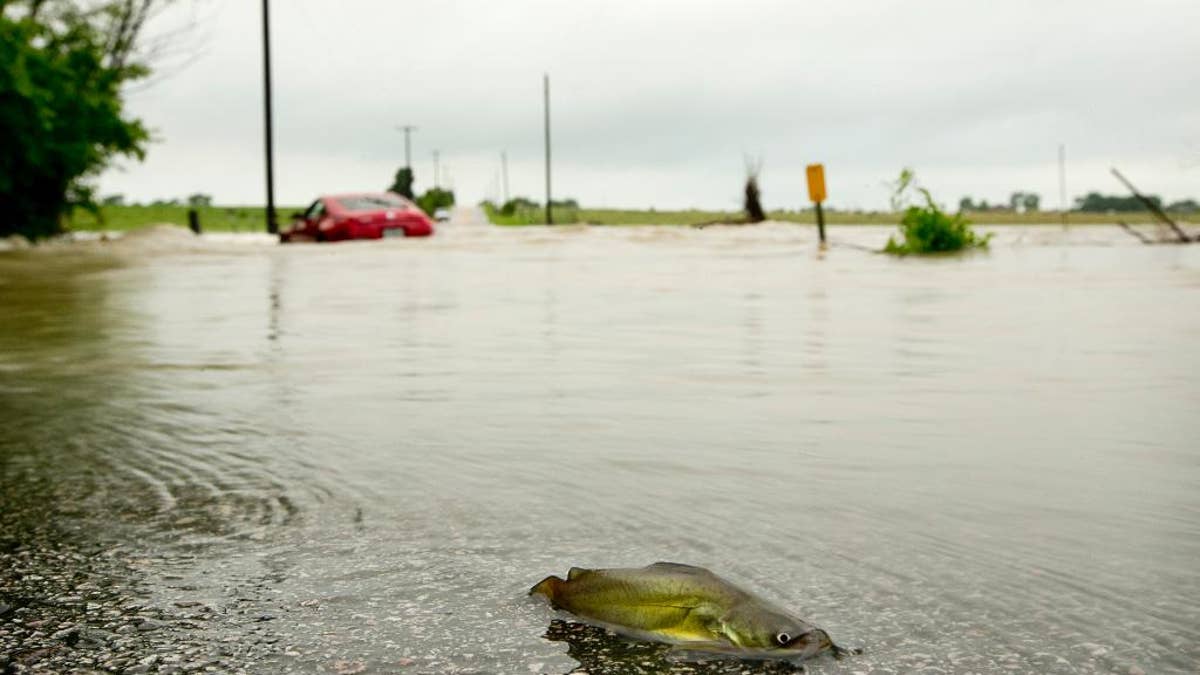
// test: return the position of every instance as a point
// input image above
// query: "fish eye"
(783, 639)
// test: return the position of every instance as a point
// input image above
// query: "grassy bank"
(212, 218)
(695, 216)
(251, 218)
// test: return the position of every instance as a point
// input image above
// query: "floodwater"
(358, 457)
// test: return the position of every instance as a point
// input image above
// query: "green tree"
(1094, 202)
(62, 119)
(517, 204)
(434, 199)
(402, 183)
(199, 199)
(1026, 202)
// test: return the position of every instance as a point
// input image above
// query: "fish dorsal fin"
(678, 567)
(576, 571)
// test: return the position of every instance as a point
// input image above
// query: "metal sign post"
(816, 192)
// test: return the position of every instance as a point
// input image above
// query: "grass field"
(251, 218)
(694, 216)
(212, 218)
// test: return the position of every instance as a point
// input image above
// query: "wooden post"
(194, 221)
(816, 192)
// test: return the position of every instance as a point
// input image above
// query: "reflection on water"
(980, 464)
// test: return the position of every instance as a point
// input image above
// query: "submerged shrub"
(926, 228)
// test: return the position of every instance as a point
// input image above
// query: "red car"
(372, 215)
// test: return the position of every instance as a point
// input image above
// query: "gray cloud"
(656, 103)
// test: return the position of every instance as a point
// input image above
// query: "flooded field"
(225, 455)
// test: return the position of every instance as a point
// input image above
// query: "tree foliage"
(435, 198)
(62, 120)
(1094, 202)
(925, 228)
(403, 182)
(526, 211)
(1026, 202)
(517, 204)
(1184, 206)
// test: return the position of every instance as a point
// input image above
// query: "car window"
(371, 202)
(315, 211)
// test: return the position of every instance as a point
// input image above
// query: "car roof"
(338, 198)
(348, 195)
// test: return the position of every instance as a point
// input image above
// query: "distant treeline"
(197, 199)
(1094, 202)
(525, 211)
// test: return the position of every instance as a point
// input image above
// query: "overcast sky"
(657, 102)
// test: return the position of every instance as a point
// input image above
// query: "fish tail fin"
(547, 587)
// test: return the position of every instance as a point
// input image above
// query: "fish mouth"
(814, 642)
(809, 642)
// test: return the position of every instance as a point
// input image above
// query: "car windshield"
(371, 202)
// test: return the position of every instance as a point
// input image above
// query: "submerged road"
(218, 454)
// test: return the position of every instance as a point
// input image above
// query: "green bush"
(926, 228)
(434, 199)
(525, 211)
(62, 116)
(517, 204)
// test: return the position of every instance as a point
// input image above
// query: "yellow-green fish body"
(682, 604)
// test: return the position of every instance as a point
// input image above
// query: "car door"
(312, 218)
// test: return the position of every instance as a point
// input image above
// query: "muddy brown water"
(981, 463)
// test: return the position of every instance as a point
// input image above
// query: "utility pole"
(436, 172)
(546, 92)
(504, 172)
(1062, 182)
(407, 129)
(272, 226)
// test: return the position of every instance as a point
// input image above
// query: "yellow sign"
(816, 182)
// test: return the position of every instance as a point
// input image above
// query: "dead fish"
(685, 606)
